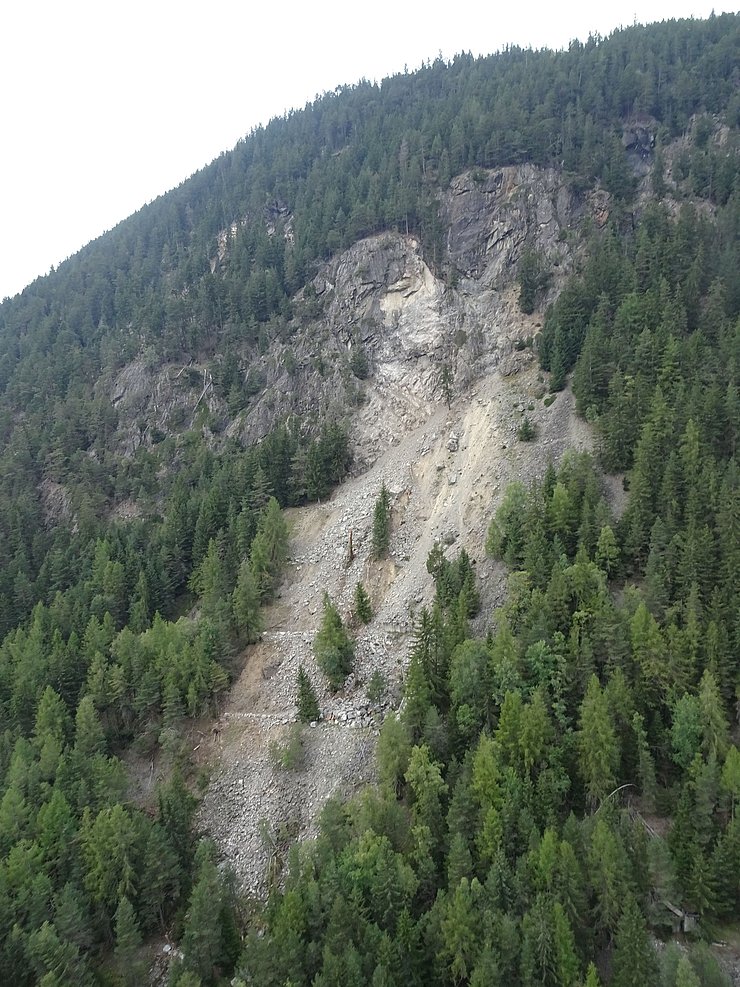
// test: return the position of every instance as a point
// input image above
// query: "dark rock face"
(638, 140)
(491, 215)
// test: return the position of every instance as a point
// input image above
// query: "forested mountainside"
(142, 539)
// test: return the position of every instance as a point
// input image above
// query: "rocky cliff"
(380, 307)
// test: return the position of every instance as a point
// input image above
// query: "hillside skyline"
(126, 137)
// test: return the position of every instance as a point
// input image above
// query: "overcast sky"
(105, 106)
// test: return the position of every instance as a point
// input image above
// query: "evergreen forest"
(555, 794)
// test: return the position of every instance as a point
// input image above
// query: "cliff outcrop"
(373, 331)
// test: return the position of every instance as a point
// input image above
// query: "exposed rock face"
(491, 215)
(638, 140)
(56, 502)
(165, 398)
(382, 296)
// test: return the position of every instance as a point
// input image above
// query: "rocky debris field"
(445, 467)
(445, 478)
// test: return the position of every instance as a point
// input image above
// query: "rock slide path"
(445, 477)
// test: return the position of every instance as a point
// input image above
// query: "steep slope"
(342, 267)
(252, 807)
(445, 469)
(381, 300)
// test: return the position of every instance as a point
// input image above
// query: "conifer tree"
(128, 942)
(538, 951)
(565, 948)
(716, 732)
(202, 941)
(686, 730)
(140, 608)
(527, 430)
(245, 605)
(363, 609)
(89, 736)
(645, 764)
(211, 583)
(592, 976)
(607, 551)
(635, 962)
(163, 879)
(306, 701)
(269, 549)
(730, 778)
(418, 698)
(649, 653)
(685, 974)
(172, 707)
(376, 688)
(333, 648)
(459, 861)
(725, 870)
(394, 748)
(58, 963)
(597, 743)
(381, 524)
(71, 918)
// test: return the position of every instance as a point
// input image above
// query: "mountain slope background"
(400, 278)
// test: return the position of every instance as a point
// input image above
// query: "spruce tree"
(376, 687)
(730, 779)
(269, 549)
(63, 962)
(592, 976)
(162, 879)
(307, 702)
(71, 917)
(725, 876)
(89, 736)
(245, 605)
(685, 974)
(128, 943)
(607, 551)
(363, 609)
(635, 962)
(598, 744)
(381, 524)
(527, 430)
(417, 697)
(333, 648)
(715, 728)
(202, 941)
(394, 748)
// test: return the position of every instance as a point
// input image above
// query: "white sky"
(105, 106)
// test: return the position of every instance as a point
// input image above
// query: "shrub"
(289, 756)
